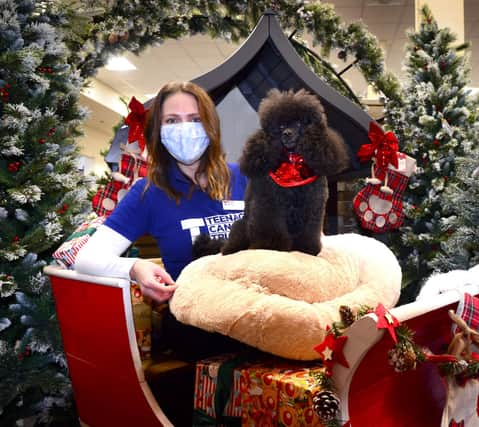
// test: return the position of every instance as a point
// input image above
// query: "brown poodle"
(287, 162)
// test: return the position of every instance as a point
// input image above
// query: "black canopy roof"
(268, 60)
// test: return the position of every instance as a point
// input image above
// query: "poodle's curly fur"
(287, 218)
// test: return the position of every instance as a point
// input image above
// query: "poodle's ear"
(257, 159)
(334, 154)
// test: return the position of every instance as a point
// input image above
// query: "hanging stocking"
(379, 205)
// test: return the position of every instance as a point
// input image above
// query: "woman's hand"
(153, 280)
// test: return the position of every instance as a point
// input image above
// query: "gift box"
(217, 399)
(66, 254)
(279, 393)
(142, 317)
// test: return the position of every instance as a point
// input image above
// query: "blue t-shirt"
(174, 226)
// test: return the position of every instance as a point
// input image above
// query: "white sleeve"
(101, 255)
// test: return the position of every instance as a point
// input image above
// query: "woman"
(189, 190)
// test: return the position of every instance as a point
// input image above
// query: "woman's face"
(180, 107)
(182, 133)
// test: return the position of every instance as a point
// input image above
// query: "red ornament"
(436, 143)
(13, 167)
(4, 92)
(15, 239)
(45, 70)
(386, 321)
(331, 350)
(42, 141)
(52, 131)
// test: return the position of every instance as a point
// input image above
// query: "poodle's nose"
(289, 137)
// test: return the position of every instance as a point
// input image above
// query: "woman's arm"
(101, 257)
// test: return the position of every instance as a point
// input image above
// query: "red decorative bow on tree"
(384, 147)
(136, 122)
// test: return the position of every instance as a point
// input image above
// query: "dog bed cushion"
(282, 302)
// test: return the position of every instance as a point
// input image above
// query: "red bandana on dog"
(293, 173)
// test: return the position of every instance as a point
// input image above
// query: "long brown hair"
(212, 163)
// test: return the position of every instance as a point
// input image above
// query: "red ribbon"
(440, 358)
(293, 173)
(384, 147)
(136, 122)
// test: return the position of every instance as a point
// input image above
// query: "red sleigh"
(111, 388)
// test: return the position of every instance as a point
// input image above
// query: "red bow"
(136, 122)
(384, 147)
(293, 173)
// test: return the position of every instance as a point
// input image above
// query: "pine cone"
(402, 358)
(326, 405)
(347, 315)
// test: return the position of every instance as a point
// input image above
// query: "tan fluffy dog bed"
(282, 302)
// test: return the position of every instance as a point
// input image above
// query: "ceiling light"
(119, 63)
(385, 3)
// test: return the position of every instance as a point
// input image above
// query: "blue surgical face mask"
(186, 141)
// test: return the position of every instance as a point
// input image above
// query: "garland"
(406, 354)
(326, 402)
(112, 26)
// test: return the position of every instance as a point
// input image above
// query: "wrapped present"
(142, 317)
(66, 254)
(279, 392)
(217, 398)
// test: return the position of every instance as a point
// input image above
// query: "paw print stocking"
(379, 204)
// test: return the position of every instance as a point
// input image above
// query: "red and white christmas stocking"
(379, 204)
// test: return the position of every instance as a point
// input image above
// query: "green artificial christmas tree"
(461, 250)
(435, 125)
(42, 199)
